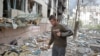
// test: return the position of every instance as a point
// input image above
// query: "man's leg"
(62, 51)
(54, 51)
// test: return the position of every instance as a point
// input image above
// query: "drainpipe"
(14, 4)
(67, 11)
(52, 6)
(56, 8)
(23, 5)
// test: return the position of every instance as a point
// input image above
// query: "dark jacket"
(62, 40)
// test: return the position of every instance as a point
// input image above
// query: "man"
(59, 34)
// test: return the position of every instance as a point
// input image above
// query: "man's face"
(53, 22)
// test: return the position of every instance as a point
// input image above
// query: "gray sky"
(72, 3)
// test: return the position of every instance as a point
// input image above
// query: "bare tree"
(76, 19)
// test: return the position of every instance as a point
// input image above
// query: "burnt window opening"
(12, 4)
(20, 5)
(34, 5)
(49, 7)
(39, 9)
(6, 8)
(30, 5)
(60, 9)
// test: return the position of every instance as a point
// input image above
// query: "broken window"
(58, 7)
(30, 5)
(20, 4)
(39, 9)
(6, 8)
(12, 4)
(49, 7)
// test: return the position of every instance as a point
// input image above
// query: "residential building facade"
(89, 15)
(20, 16)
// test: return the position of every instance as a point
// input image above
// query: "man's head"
(53, 20)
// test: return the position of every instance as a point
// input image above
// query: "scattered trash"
(37, 45)
(83, 46)
(31, 46)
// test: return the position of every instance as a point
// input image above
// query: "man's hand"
(48, 47)
(58, 34)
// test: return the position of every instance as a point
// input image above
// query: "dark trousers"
(58, 51)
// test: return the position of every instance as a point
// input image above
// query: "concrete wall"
(1, 8)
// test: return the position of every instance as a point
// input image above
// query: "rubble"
(95, 47)
(15, 23)
(83, 46)
(30, 46)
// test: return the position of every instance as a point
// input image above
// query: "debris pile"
(35, 45)
(19, 22)
(83, 46)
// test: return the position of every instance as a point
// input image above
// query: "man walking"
(59, 34)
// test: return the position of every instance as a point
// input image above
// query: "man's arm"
(52, 39)
(67, 32)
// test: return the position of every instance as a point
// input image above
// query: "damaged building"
(57, 8)
(27, 22)
(21, 18)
